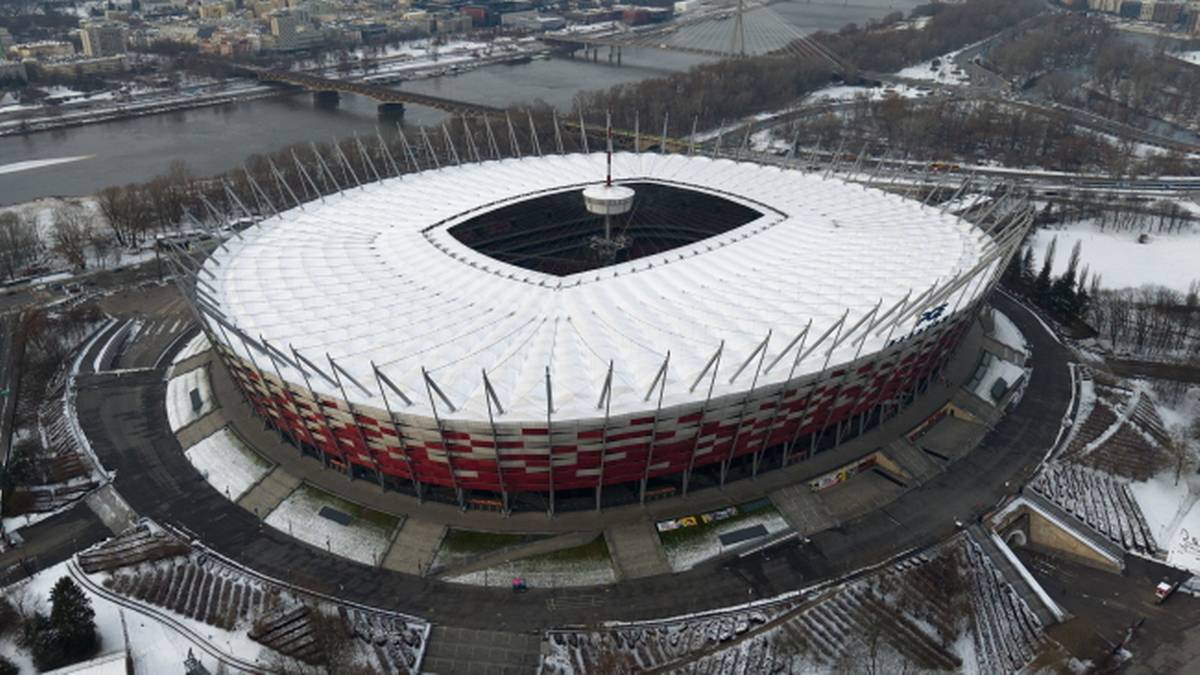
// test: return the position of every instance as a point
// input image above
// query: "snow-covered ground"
(997, 368)
(1190, 57)
(1173, 513)
(155, 647)
(691, 552)
(842, 93)
(197, 345)
(946, 72)
(180, 411)
(1007, 333)
(227, 464)
(365, 539)
(1166, 260)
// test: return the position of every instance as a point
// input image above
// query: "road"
(1106, 605)
(125, 420)
(52, 541)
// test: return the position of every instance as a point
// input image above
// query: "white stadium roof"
(371, 276)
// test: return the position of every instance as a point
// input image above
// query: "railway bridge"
(388, 98)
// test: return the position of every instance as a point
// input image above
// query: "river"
(214, 139)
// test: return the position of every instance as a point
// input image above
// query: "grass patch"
(470, 542)
(687, 535)
(377, 519)
(593, 551)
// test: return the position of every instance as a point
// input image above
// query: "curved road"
(125, 420)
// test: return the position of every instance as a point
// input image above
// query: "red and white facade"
(363, 331)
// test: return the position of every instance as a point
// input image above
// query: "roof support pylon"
(715, 362)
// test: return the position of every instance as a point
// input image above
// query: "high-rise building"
(103, 38)
(292, 29)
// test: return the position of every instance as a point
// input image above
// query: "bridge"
(736, 31)
(386, 96)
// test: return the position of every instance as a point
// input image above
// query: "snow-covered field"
(1007, 333)
(841, 93)
(365, 539)
(997, 368)
(155, 647)
(946, 72)
(688, 553)
(1173, 513)
(197, 345)
(180, 411)
(227, 464)
(1166, 260)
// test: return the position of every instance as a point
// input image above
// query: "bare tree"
(19, 243)
(72, 234)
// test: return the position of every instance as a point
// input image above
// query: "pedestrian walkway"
(983, 410)
(111, 508)
(918, 464)
(465, 651)
(952, 437)
(636, 550)
(413, 549)
(202, 428)
(1003, 351)
(269, 492)
(861, 494)
(803, 509)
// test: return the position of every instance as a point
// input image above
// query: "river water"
(214, 139)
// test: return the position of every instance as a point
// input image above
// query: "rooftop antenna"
(608, 175)
(608, 200)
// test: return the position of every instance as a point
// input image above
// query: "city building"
(46, 49)
(294, 30)
(6, 41)
(12, 71)
(214, 10)
(102, 38)
(78, 67)
(446, 24)
(493, 341)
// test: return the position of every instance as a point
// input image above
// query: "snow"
(691, 552)
(997, 368)
(1006, 332)
(1166, 260)
(180, 412)
(197, 345)
(227, 463)
(844, 93)
(857, 245)
(365, 539)
(1184, 551)
(1190, 57)
(1160, 499)
(155, 646)
(947, 71)
(29, 165)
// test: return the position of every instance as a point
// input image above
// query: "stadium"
(583, 331)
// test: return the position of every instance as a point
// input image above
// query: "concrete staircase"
(636, 550)
(1012, 576)
(918, 464)
(803, 509)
